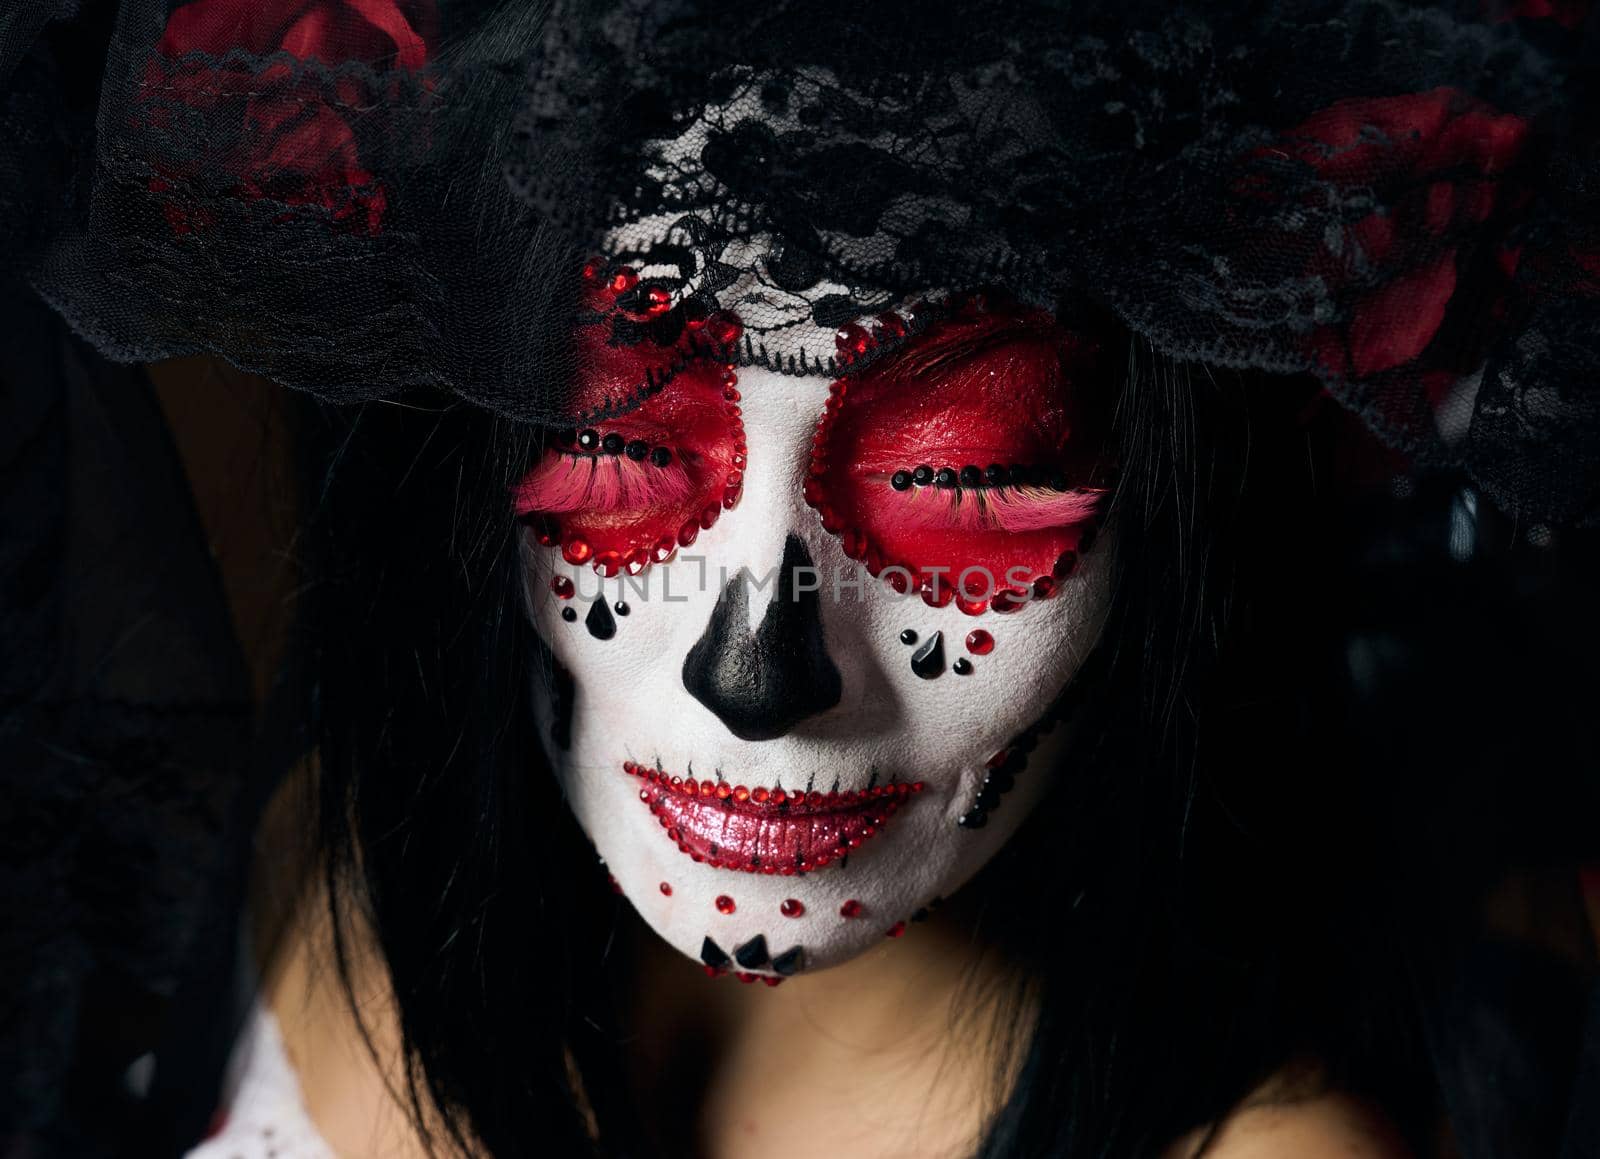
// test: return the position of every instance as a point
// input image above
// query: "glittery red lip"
(764, 830)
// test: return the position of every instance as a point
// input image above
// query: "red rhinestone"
(709, 516)
(741, 794)
(852, 341)
(576, 550)
(712, 971)
(850, 909)
(594, 271)
(731, 393)
(895, 930)
(694, 313)
(1043, 587)
(638, 560)
(892, 325)
(997, 760)
(1006, 601)
(746, 978)
(791, 908)
(979, 642)
(831, 522)
(724, 791)
(770, 980)
(663, 549)
(725, 904)
(623, 280)
(666, 890)
(897, 578)
(708, 788)
(811, 489)
(971, 606)
(779, 796)
(608, 563)
(936, 590)
(724, 329)
(562, 587)
(1065, 563)
(759, 795)
(730, 495)
(657, 299)
(687, 533)
(855, 542)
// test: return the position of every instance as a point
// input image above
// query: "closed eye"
(566, 482)
(1013, 509)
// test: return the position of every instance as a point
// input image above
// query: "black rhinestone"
(713, 955)
(900, 480)
(1017, 475)
(565, 436)
(613, 443)
(971, 476)
(589, 439)
(637, 450)
(568, 615)
(962, 667)
(922, 476)
(1000, 781)
(945, 478)
(928, 660)
(921, 915)
(753, 953)
(599, 622)
(988, 799)
(621, 608)
(661, 456)
(908, 636)
(975, 819)
(1058, 481)
(791, 961)
(996, 474)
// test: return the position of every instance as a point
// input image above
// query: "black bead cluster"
(995, 475)
(999, 780)
(592, 442)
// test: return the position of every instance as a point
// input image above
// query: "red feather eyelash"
(563, 483)
(1015, 510)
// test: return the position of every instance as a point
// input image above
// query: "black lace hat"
(359, 199)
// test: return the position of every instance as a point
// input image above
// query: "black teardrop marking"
(928, 660)
(713, 955)
(599, 622)
(763, 683)
(753, 953)
(791, 961)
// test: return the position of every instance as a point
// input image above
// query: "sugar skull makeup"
(817, 629)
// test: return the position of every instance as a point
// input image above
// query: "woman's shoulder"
(1296, 1113)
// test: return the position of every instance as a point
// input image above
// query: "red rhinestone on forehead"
(895, 930)
(979, 642)
(791, 908)
(850, 909)
(562, 587)
(666, 890)
(725, 904)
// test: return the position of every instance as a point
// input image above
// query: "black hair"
(1216, 888)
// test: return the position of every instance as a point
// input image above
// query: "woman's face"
(817, 690)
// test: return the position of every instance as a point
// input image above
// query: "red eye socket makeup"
(968, 463)
(624, 491)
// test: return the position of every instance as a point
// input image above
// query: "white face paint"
(633, 713)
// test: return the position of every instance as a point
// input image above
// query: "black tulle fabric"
(1402, 202)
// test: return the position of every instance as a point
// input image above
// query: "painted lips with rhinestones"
(762, 830)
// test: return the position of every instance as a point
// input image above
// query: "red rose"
(1419, 181)
(295, 141)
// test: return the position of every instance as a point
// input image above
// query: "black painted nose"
(763, 683)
